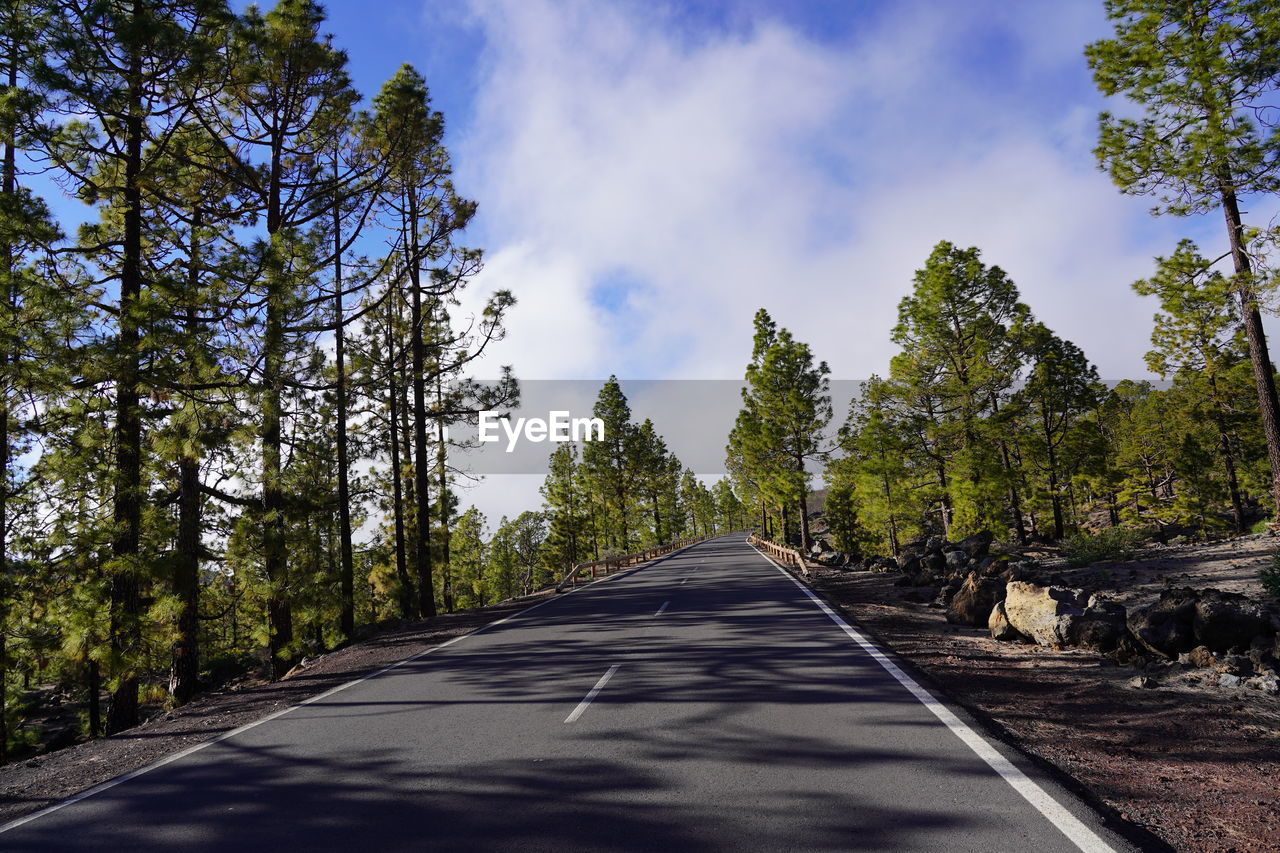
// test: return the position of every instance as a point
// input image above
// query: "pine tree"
(119, 64)
(788, 394)
(1060, 391)
(1198, 341)
(960, 333)
(565, 509)
(286, 99)
(1204, 76)
(608, 467)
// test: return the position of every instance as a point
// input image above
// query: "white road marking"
(662, 608)
(591, 694)
(169, 759)
(1057, 814)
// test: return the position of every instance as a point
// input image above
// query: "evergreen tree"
(1204, 77)
(787, 408)
(1198, 342)
(608, 467)
(1060, 391)
(961, 337)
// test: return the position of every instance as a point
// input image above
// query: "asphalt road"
(735, 715)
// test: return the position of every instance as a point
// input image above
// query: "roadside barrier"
(780, 553)
(612, 564)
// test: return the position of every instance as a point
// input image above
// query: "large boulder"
(977, 545)
(1166, 626)
(998, 624)
(973, 602)
(1226, 620)
(1046, 614)
(1100, 626)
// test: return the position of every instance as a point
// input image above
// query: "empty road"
(703, 702)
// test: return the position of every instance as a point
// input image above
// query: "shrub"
(1114, 543)
(1270, 576)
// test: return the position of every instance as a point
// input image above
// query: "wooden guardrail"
(781, 553)
(612, 564)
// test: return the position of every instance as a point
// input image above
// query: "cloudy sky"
(649, 174)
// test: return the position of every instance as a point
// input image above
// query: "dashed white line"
(591, 694)
(662, 608)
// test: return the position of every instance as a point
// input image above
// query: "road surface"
(704, 702)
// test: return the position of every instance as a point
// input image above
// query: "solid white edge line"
(662, 608)
(194, 748)
(1056, 813)
(591, 694)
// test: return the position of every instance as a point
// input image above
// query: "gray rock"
(948, 592)
(998, 624)
(956, 561)
(1100, 627)
(1143, 682)
(973, 602)
(1268, 684)
(1046, 614)
(1225, 620)
(1234, 665)
(1165, 626)
(934, 544)
(978, 544)
(1229, 681)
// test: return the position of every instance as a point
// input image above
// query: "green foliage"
(779, 429)
(960, 332)
(1113, 543)
(1203, 74)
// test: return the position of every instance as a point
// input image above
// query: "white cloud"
(646, 184)
(719, 172)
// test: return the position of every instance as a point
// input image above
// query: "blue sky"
(644, 167)
(649, 174)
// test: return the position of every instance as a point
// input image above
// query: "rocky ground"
(37, 782)
(1173, 747)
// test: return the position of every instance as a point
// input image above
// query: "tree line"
(988, 419)
(248, 355)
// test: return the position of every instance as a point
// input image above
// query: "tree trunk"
(442, 472)
(126, 580)
(10, 185)
(1229, 465)
(185, 670)
(421, 471)
(1015, 503)
(346, 567)
(186, 583)
(803, 503)
(94, 688)
(274, 557)
(1263, 374)
(397, 491)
